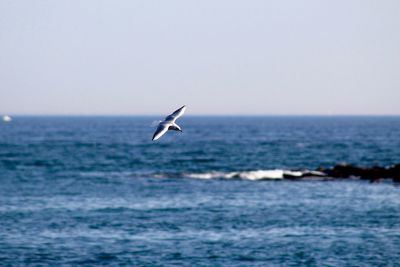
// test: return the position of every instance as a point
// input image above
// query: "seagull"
(169, 123)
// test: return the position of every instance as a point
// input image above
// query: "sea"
(96, 191)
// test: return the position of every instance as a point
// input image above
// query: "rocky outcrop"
(373, 173)
(395, 173)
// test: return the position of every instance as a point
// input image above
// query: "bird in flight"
(169, 123)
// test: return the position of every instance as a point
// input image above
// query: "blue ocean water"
(96, 191)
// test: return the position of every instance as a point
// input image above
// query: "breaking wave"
(246, 175)
(253, 175)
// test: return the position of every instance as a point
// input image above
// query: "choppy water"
(97, 192)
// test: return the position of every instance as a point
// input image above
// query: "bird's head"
(155, 123)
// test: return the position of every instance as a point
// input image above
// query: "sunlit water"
(98, 192)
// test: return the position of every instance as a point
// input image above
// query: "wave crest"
(276, 174)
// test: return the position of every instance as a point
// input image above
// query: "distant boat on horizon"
(7, 118)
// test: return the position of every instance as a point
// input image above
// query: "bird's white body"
(169, 123)
(7, 118)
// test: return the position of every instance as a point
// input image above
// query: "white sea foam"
(247, 175)
(252, 175)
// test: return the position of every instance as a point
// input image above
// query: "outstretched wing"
(177, 113)
(161, 130)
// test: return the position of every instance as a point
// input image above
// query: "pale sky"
(216, 56)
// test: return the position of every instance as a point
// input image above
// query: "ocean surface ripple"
(96, 191)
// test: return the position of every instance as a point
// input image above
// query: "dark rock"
(345, 171)
(375, 173)
(291, 176)
(395, 173)
(372, 174)
(316, 173)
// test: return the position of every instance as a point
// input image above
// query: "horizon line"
(201, 115)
